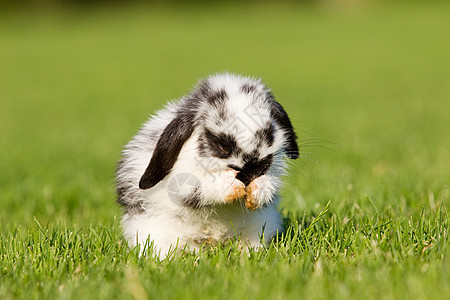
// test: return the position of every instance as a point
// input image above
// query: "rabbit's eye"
(223, 149)
(265, 165)
(264, 170)
(221, 145)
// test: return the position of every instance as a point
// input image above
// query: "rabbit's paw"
(236, 190)
(250, 200)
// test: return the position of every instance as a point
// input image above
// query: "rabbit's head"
(240, 136)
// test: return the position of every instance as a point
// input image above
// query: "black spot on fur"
(265, 135)
(254, 168)
(222, 113)
(248, 88)
(202, 147)
(216, 97)
(204, 89)
(246, 157)
(221, 145)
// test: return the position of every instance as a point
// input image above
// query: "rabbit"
(207, 168)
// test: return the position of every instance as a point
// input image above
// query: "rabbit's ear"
(281, 118)
(166, 151)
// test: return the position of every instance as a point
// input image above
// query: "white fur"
(169, 223)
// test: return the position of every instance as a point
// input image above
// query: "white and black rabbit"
(207, 168)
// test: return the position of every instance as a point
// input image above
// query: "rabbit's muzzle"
(253, 169)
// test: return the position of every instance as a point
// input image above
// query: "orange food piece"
(237, 193)
(250, 200)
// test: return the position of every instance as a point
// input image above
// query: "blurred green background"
(369, 80)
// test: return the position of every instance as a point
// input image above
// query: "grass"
(373, 84)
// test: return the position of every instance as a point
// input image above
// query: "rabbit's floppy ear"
(167, 149)
(281, 118)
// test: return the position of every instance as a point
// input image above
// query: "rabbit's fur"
(207, 168)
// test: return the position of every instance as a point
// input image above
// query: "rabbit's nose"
(245, 178)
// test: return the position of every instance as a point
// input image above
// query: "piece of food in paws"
(250, 199)
(237, 187)
(237, 192)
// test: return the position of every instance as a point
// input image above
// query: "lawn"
(366, 205)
